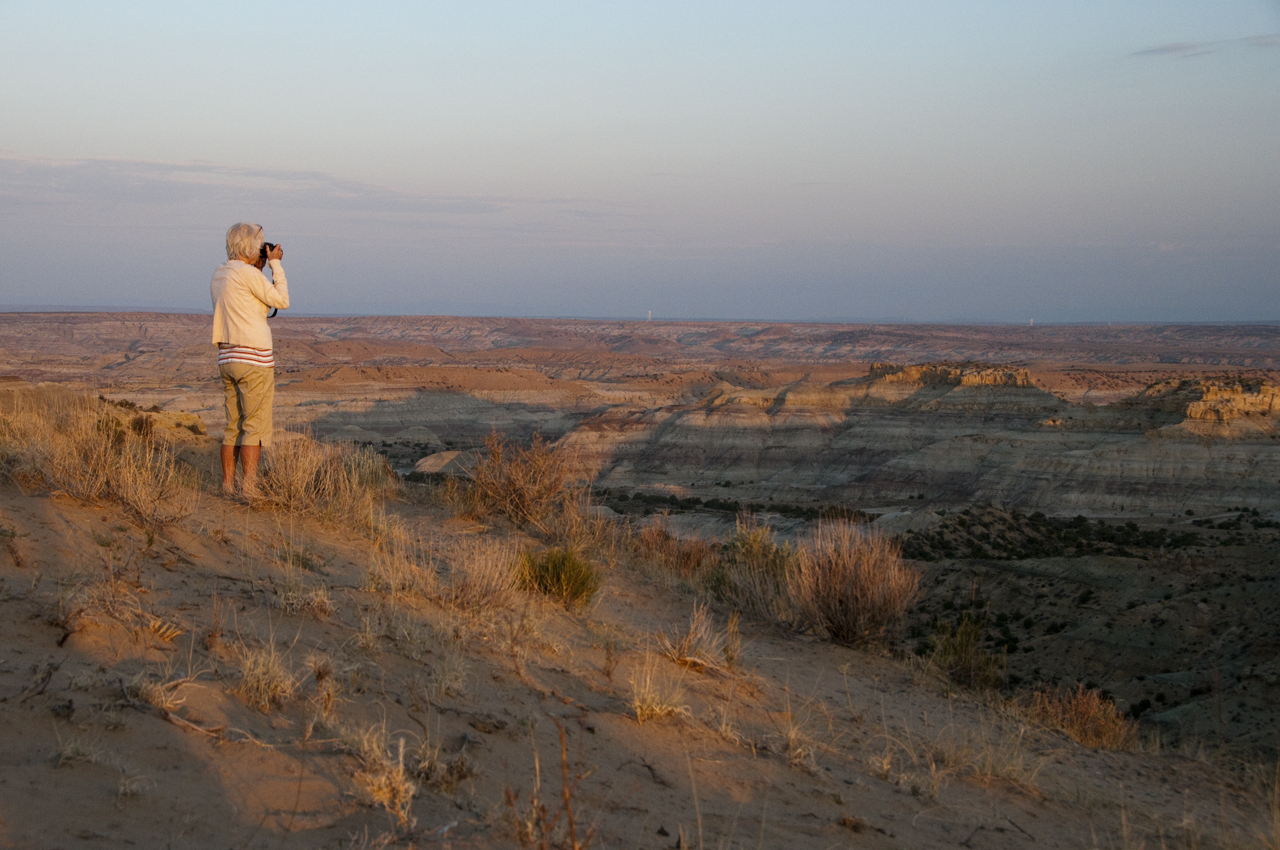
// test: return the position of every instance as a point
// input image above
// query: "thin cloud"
(51, 181)
(1187, 49)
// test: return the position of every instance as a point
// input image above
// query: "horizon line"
(6, 309)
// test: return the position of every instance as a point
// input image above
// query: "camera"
(266, 246)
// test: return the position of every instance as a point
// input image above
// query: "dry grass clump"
(74, 444)
(987, 753)
(150, 483)
(754, 572)
(560, 573)
(1085, 716)
(702, 646)
(293, 597)
(851, 586)
(483, 574)
(690, 559)
(76, 750)
(108, 595)
(332, 482)
(402, 566)
(383, 778)
(266, 682)
(654, 695)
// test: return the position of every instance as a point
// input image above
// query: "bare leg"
(249, 456)
(229, 454)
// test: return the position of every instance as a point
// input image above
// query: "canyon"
(1103, 420)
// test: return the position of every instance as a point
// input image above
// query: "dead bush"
(1085, 716)
(850, 585)
(533, 487)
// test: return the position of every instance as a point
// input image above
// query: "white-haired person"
(242, 299)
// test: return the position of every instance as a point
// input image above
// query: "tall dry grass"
(77, 445)
(1085, 716)
(332, 482)
(402, 564)
(689, 559)
(483, 574)
(851, 585)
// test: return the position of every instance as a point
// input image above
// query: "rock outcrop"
(950, 432)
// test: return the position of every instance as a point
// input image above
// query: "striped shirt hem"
(245, 354)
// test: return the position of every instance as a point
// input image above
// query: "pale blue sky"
(934, 161)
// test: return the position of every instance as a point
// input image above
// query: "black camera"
(266, 246)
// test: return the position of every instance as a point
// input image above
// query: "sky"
(986, 161)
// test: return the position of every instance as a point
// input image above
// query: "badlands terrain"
(1100, 504)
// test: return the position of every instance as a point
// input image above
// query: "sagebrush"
(561, 573)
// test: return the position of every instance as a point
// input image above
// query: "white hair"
(244, 240)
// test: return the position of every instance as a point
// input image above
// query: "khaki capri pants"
(250, 391)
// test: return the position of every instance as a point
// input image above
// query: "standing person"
(242, 298)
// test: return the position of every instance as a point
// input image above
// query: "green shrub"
(562, 574)
(958, 656)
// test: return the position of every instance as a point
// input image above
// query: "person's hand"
(275, 253)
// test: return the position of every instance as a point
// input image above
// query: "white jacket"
(242, 297)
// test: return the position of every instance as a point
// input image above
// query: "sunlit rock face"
(950, 432)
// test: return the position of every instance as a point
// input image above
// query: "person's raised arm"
(276, 295)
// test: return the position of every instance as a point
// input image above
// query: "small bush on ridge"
(561, 573)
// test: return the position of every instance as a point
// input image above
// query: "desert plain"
(1086, 510)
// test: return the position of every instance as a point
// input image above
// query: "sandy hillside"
(259, 676)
